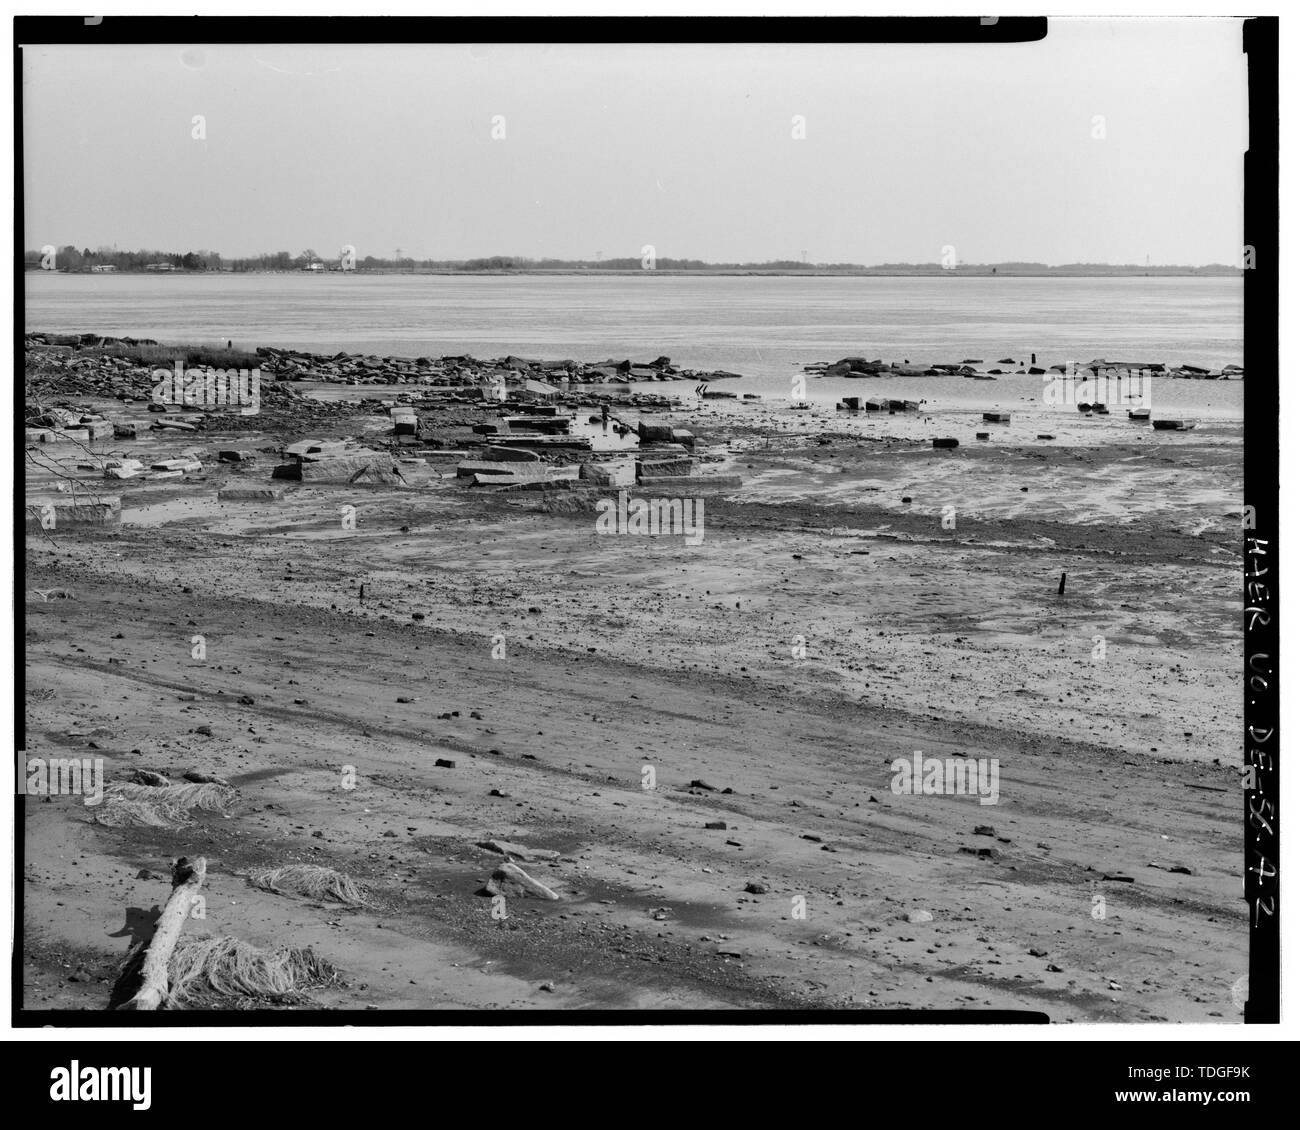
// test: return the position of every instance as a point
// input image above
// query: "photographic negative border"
(1260, 544)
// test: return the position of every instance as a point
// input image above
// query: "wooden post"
(187, 878)
(1060, 591)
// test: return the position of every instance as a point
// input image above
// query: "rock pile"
(464, 370)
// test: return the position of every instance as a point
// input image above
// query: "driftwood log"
(187, 878)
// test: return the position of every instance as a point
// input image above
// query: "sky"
(1110, 142)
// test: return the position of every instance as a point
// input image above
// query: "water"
(765, 328)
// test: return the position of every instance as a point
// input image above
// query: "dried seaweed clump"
(226, 967)
(312, 881)
(127, 804)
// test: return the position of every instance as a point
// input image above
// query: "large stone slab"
(649, 432)
(496, 454)
(369, 468)
(663, 468)
(689, 483)
(611, 473)
(522, 475)
(85, 510)
(177, 465)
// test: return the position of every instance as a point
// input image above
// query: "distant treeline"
(70, 258)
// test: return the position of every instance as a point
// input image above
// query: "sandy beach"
(859, 597)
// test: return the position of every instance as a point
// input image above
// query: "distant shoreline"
(784, 271)
(956, 272)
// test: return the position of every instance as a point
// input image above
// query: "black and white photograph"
(522, 523)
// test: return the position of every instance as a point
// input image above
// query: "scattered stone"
(754, 887)
(444, 763)
(250, 494)
(716, 826)
(148, 777)
(198, 777)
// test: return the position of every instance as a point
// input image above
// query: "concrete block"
(527, 476)
(495, 454)
(663, 468)
(88, 510)
(368, 468)
(647, 431)
(612, 473)
(177, 465)
(690, 483)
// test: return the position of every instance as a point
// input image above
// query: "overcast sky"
(991, 150)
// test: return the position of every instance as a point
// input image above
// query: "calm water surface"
(765, 328)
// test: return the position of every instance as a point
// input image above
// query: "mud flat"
(828, 623)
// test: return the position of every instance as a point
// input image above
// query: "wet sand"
(589, 658)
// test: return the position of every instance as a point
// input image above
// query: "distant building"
(104, 268)
(316, 266)
(161, 267)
